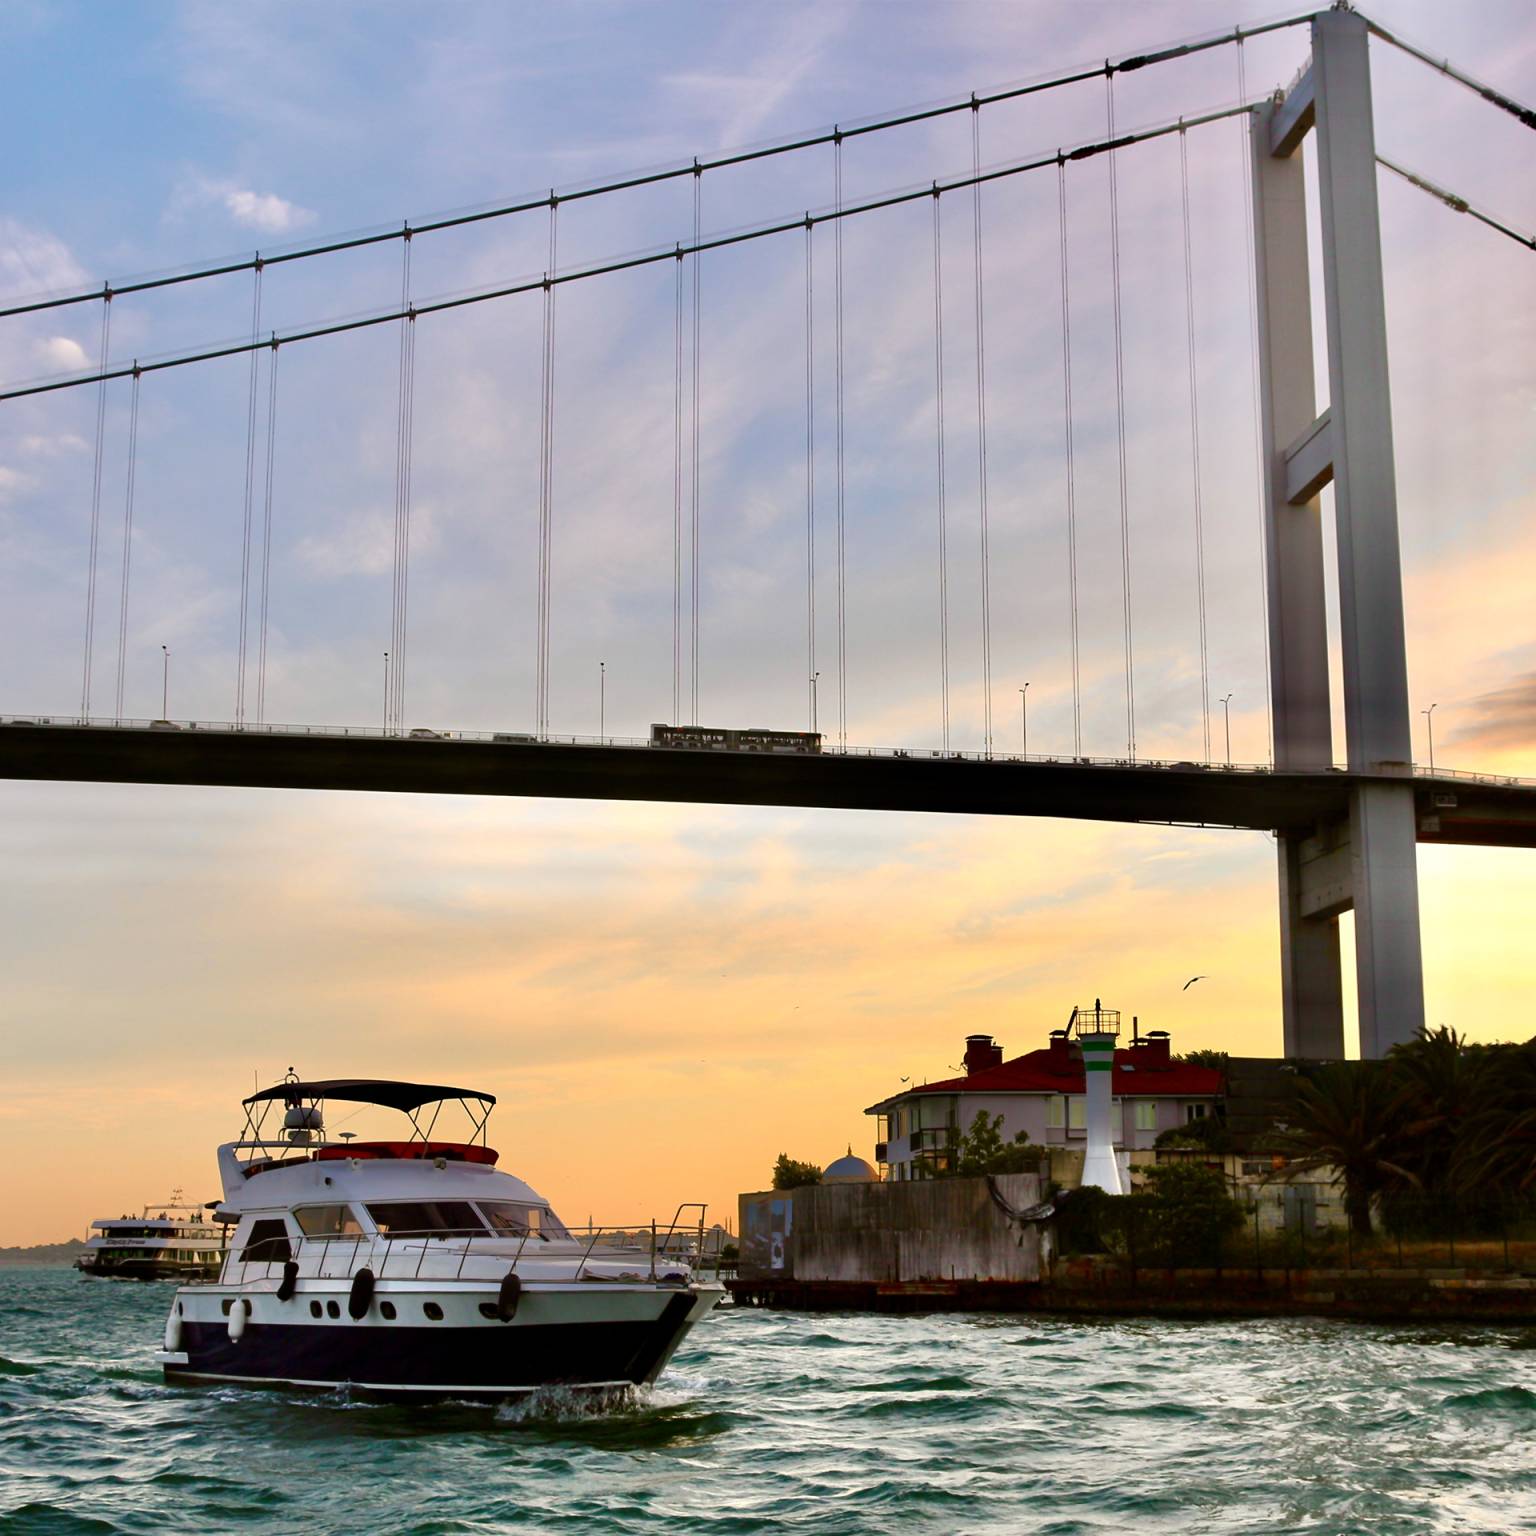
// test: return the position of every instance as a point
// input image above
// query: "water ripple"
(987, 1425)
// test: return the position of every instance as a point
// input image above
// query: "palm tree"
(1496, 1152)
(1350, 1116)
(1444, 1081)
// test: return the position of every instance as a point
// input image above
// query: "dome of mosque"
(850, 1170)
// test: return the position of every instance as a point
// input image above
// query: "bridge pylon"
(1368, 861)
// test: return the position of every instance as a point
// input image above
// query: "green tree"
(1351, 1116)
(1206, 1057)
(790, 1174)
(982, 1150)
(1193, 1211)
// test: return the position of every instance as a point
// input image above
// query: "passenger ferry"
(175, 1241)
(415, 1268)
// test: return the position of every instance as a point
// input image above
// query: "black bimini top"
(369, 1090)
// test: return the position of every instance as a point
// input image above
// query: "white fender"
(173, 1331)
(237, 1316)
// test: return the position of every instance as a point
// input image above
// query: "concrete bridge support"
(1368, 862)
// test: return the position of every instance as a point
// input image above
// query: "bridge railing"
(522, 738)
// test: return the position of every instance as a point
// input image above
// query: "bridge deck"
(1490, 811)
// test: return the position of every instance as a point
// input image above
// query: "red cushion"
(454, 1151)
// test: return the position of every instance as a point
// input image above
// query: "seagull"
(1192, 980)
(906, 1079)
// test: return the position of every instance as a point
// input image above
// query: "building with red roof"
(1042, 1095)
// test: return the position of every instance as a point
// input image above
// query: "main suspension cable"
(981, 441)
(634, 263)
(250, 492)
(1067, 437)
(90, 570)
(1455, 203)
(1125, 514)
(1516, 109)
(1194, 448)
(842, 577)
(266, 536)
(938, 396)
(122, 603)
(810, 470)
(670, 173)
(1245, 168)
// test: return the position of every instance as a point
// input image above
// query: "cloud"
(265, 212)
(1505, 717)
(61, 354)
(32, 261)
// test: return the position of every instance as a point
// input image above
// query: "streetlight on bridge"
(1024, 716)
(1429, 718)
(165, 683)
(1226, 715)
(602, 698)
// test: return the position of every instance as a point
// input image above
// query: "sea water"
(773, 1421)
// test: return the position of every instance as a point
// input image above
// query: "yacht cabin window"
(327, 1221)
(432, 1218)
(508, 1218)
(267, 1244)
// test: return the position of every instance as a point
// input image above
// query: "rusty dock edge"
(1095, 1288)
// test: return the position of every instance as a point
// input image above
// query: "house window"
(1055, 1112)
(1077, 1113)
(1194, 1112)
(1146, 1114)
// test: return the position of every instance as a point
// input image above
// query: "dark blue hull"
(490, 1362)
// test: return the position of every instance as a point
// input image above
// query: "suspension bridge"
(1346, 832)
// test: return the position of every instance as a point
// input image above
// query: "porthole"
(332, 1309)
(488, 1310)
(387, 1311)
(434, 1313)
(315, 1309)
(227, 1305)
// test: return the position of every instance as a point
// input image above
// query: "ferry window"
(509, 1219)
(327, 1221)
(315, 1309)
(439, 1218)
(267, 1244)
(332, 1309)
(1146, 1114)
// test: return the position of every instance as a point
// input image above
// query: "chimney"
(1061, 1060)
(981, 1053)
(1154, 1049)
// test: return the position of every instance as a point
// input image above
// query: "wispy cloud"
(60, 354)
(265, 212)
(1502, 718)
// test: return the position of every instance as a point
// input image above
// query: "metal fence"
(1307, 1226)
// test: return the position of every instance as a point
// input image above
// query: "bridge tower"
(1367, 862)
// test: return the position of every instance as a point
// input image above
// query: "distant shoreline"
(42, 1254)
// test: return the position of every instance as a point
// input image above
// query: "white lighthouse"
(1098, 1030)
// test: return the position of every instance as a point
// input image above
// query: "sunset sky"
(665, 997)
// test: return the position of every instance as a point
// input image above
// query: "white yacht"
(415, 1268)
(173, 1241)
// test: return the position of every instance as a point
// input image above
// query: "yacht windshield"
(435, 1218)
(510, 1219)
